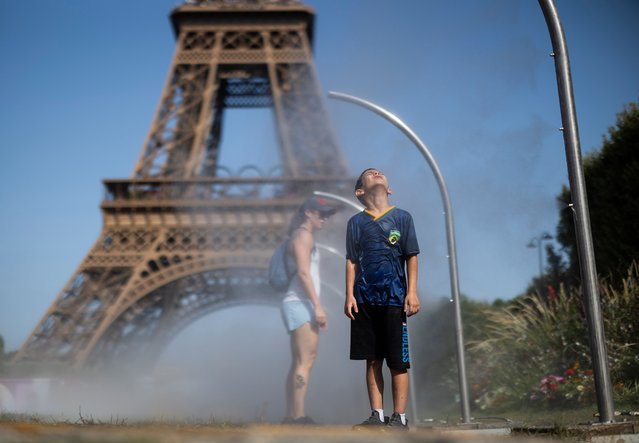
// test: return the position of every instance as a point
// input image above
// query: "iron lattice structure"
(182, 237)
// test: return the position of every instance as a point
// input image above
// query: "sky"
(473, 78)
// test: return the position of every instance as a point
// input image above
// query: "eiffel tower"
(182, 237)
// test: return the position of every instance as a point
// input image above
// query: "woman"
(302, 310)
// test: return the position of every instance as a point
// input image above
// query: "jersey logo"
(394, 236)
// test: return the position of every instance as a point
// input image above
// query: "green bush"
(536, 351)
(621, 322)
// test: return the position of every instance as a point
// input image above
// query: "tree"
(612, 186)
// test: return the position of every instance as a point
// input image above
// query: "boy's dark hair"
(359, 183)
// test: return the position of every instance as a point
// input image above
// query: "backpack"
(281, 268)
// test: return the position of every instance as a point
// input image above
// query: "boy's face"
(370, 179)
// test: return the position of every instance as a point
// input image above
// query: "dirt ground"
(23, 432)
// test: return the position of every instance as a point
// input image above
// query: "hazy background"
(81, 82)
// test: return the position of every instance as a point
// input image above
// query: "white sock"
(381, 413)
(403, 417)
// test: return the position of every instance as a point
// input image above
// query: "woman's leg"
(304, 342)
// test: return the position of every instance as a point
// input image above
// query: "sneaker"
(395, 421)
(373, 420)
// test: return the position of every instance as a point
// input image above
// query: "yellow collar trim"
(380, 215)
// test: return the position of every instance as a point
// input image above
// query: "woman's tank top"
(296, 290)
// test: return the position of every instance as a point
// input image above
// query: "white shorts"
(296, 312)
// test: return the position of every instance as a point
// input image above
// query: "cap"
(319, 204)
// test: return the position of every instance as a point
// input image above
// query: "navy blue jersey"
(379, 247)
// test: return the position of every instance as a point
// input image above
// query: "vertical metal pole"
(585, 248)
(450, 236)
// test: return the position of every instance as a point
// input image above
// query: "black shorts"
(380, 332)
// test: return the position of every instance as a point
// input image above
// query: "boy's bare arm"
(350, 304)
(411, 302)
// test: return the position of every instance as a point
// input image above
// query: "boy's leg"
(375, 388)
(375, 383)
(398, 361)
(399, 383)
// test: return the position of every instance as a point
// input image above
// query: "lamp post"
(536, 242)
(450, 237)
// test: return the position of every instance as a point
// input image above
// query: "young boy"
(381, 291)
